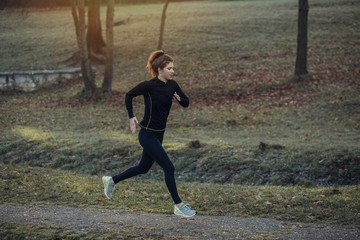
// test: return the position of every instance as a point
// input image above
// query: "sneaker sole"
(183, 215)
(103, 180)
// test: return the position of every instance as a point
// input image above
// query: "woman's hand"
(177, 97)
(133, 122)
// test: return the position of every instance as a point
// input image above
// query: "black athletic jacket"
(158, 100)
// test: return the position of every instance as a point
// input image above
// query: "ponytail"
(158, 59)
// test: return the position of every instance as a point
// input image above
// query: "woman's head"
(158, 60)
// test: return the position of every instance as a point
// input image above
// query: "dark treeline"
(62, 3)
(33, 3)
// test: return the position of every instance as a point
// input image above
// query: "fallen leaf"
(336, 191)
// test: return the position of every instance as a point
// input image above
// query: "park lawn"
(34, 185)
(318, 143)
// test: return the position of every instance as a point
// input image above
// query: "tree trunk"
(74, 13)
(163, 17)
(86, 71)
(108, 76)
(94, 37)
(301, 55)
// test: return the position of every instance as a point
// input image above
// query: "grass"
(314, 151)
(28, 185)
(235, 61)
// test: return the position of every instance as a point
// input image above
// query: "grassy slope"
(29, 185)
(234, 60)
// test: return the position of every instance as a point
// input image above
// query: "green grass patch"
(27, 185)
(318, 142)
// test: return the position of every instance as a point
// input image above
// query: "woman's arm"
(140, 89)
(181, 97)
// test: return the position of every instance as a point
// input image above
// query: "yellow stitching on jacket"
(146, 128)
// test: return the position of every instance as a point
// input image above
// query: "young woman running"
(158, 93)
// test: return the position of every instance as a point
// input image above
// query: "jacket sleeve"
(184, 100)
(140, 89)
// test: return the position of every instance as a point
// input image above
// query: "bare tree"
(163, 17)
(78, 12)
(108, 76)
(301, 55)
(95, 41)
(75, 15)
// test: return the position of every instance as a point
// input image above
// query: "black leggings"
(152, 152)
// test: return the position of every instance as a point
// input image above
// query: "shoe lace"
(186, 206)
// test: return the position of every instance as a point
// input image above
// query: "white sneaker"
(184, 210)
(108, 186)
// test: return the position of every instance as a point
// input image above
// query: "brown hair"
(158, 59)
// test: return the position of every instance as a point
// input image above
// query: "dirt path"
(148, 225)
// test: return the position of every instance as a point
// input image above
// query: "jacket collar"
(156, 79)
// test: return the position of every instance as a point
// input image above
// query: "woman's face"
(167, 72)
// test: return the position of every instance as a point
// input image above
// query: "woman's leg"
(153, 148)
(142, 168)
